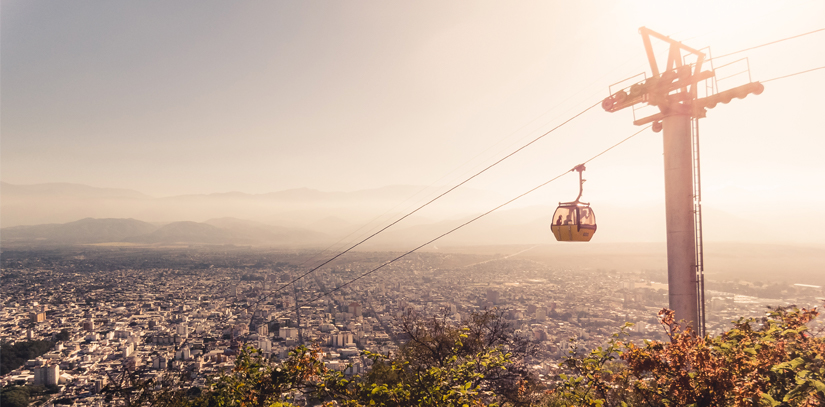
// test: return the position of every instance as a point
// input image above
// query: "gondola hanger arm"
(580, 168)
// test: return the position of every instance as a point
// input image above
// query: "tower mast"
(674, 91)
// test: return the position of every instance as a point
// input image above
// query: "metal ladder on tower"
(697, 225)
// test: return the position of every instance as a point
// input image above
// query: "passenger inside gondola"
(585, 216)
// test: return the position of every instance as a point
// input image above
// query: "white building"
(265, 345)
(287, 333)
(343, 339)
(47, 375)
(183, 354)
(128, 349)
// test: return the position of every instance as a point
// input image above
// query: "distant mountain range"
(302, 208)
(79, 232)
(215, 231)
(49, 213)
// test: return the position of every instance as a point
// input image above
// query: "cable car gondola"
(574, 221)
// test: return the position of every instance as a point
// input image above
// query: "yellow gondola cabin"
(574, 221)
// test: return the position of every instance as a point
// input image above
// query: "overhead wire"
(768, 43)
(590, 97)
(431, 185)
(510, 145)
(359, 228)
(759, 20)
(470, 221)
(615, 145)
(439, 196)
(793, 74)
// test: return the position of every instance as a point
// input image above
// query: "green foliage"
(14, 356)
(459, 381)
(130, 389)
(481, 362)
(63, 335)
(595, 375)
(14, 396)
(774, 361)
(436, 342)
(256, 381)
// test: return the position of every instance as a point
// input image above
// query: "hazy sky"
(199, 97)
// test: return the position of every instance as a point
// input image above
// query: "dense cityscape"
(100, 311)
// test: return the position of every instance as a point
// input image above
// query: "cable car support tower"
(674, 91)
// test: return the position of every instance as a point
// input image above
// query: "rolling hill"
(215, 231)
(83, 231)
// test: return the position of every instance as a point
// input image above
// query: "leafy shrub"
(772, 361)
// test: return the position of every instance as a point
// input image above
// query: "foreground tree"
(478, 362)
(12, 356)
(436, 342)
(459, 381)
(773, 361)
(256, 381)
(129, 388)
